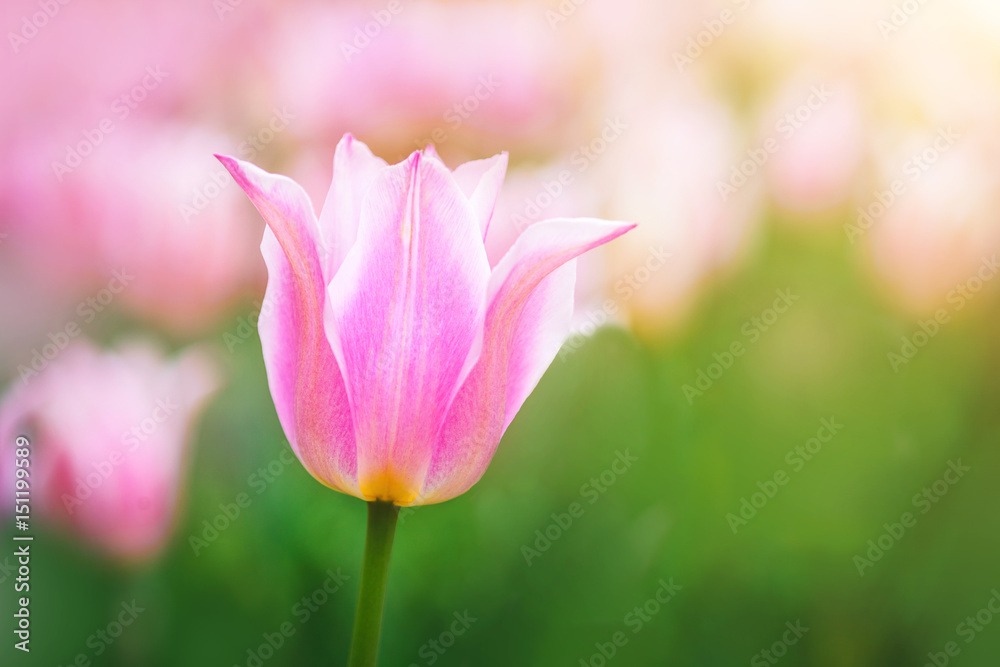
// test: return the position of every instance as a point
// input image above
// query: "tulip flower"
(406, 83)
(171, 227)
(932, 239)
(396, 354)
(668, 169)
(108, 435)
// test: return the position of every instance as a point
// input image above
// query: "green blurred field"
(663, 518)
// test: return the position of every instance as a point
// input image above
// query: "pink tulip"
(148, 202)
(817, 160)
(108, 434)
(667, 170)
(396, 354)
(408, 80)
(940, 232)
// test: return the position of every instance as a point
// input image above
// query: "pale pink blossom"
(424, 72)
(939, 230)
(396, 353)
(672, 173)
(932, 207)
(109, 434)
(818, 130)
(148, 203)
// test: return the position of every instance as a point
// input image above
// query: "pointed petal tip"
(227, 162)
(412, 162)
(615, 228)
(502, 162)
(347, 142)
(237, 168)
(623, 228)
(608, 229)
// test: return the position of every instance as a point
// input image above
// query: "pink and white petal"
(528, 317)
(480, 181)
(476, 419)
(431, 152)
(304, 378)
(539, 250)
(404, 314)
(354, 171)
(287, 211)
(305, 381)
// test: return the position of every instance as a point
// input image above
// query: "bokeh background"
(816, 186)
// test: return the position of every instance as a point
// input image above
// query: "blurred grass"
(664, 518)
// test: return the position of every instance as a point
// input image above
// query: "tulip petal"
(305, 381)
(404, 317)
(431, 152)
(481, 181)
(528, 317)
(354, 171)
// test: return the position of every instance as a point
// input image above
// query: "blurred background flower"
(816, 189)
(109, 438)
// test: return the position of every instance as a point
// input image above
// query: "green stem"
(374, 576)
